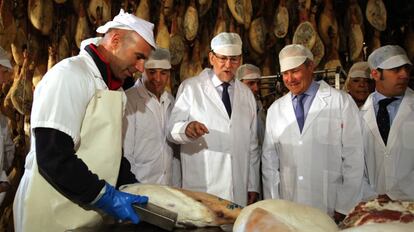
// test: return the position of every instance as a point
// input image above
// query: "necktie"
(383, 118)
(226, 98)
(299, 112)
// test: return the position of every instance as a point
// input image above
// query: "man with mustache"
(312, 153)
(388, 126)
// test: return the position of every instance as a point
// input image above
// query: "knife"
(156, 215)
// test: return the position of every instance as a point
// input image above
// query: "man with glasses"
(388, 127)
(214, 118)
(312, 153)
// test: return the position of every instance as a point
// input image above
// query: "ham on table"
(195, 209)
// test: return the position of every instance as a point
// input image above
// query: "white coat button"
(300, 177)
(300, 142)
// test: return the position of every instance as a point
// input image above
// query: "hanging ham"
(177, 45)
(190, 24)
(41, 15)
(305, 33)
(143, 10)
(376, 14)
(242, 11)
(257, 35)
(99, 11)
(82, 27)
(163, 36)
(281, 20)
(8, 27)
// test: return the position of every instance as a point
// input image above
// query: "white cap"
(159, 58)
(388, 57)
(227, 44)
(4, 59)
(131, 22)
(248, 72)
(86, 42)
(293, 55)
(359, 69)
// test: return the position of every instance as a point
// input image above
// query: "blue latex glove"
(119, 204)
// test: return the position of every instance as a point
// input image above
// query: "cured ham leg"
(195, 209)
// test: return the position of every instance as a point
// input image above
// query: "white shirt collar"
(217, 82)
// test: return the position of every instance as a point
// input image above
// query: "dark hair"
(308, 62)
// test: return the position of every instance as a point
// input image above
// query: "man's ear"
(211, 57)
(376, 75)
(115, 39)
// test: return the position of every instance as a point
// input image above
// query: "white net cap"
(388, 57)
(293, 55)
(248, 72)
(360, 69)
(227, 44)
(159, 58)
(128, 21)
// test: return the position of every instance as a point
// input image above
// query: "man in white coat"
(75, 160)
(145, 123)
(312, 153)
(250, 75)
(388, 127)
(214, 118)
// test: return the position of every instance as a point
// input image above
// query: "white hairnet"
(248, 72)
(388, 57)
(128, 21)
(359, 69)
(159, 58)
(227, 44)
(293, 55)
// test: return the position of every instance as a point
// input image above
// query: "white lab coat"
(145, 135)
(323, 166)
(225, 161)
(60, 102)
(390, 169)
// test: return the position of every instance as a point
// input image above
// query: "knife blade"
(156, 215)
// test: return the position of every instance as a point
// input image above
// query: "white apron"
(100, 147)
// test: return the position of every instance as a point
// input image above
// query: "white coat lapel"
(318, 104)
(236, 97)
(145, 97)
(368, 115)
(289, 112)
(213, 95)
(405, 110)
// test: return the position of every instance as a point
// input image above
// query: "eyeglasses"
(223, 59)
